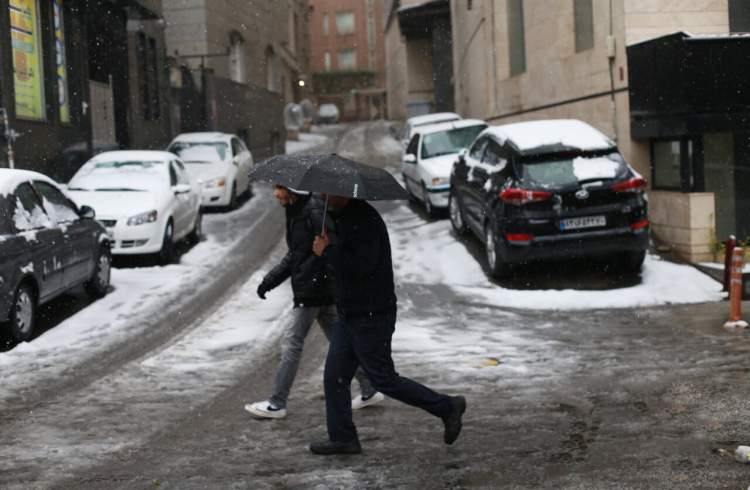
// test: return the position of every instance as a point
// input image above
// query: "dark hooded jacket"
(312, 281)
(360, 253)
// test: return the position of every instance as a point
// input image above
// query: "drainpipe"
(611, 54)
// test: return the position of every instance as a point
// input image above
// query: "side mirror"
(462, 154)
(181, 189)
(87, 212)
(236, 160)
(410, 158)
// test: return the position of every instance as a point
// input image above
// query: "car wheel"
(166, 254)
(632, 262)
(23, 313)
(428, 207)
(98, 285)
(233, 196)
(456, 215)
(497, 268)
(197, 232)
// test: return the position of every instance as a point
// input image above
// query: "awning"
(414, 19)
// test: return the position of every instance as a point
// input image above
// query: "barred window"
(148, 77)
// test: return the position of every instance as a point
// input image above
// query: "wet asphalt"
(646, 398)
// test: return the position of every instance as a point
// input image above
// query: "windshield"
(120, 176)
(571, 172)
(450, 141)
(200, 152)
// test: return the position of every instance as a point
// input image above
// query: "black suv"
(549, 189)
(47, 247)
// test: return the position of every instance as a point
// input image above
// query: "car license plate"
(583, 222)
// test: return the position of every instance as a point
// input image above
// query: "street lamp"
(301, 83)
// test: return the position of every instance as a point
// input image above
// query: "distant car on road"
(145, 199)
(415, 122)
(219, 162)
(428, 161)
(48, 246)
(549, 189)
(328, 114)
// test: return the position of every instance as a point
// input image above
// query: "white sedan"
(429, 156)
(145, 199)
(221, 164)
(413, 124)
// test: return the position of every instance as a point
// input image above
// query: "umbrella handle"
(325, 211)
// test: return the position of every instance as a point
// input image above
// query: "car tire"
(166, 254)
(428, 207)
(496, 267)
(22, 313)
(98, 286)
(632, 262)
(456, 215)
(233, 201)
(197, 232)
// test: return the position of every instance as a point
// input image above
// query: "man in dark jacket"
(313, 290)
(360, 252)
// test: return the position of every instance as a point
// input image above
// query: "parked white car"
(429, 157)
(328, 114)
(413, 123)
(145, 199)
(219, 162)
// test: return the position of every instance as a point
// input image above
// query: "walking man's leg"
(368, 396)
(291, 352)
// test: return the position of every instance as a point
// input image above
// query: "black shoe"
(453, 421)
(326, 448)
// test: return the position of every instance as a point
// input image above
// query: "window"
(583, 15)
(28, 213)
(237, 63)
(236, 147)
(468, 4)
(182, 175)
(345, 23)
(477, 149)
(413, 145)
(56, 205)
(347, 59)
(148, 77)
(327, 60)
(674, 165)
(449, 142)
(172, 175)
(494, 155)
(325, 24)
(739, 16)
(516, 37)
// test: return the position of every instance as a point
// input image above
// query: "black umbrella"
(330, 174)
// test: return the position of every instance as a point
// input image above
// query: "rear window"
(571, 172)
(450, 141)
(5, 216)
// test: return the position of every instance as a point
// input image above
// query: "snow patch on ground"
(428, 253)
(306, 141)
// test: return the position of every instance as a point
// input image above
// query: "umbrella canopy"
(330, 174)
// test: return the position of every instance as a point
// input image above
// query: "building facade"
(419, 57)
(236, 64)
(518, 60)
(347, 56)
(79, 76)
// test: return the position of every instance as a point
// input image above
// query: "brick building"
(347, 56)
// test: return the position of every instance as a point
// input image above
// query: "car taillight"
(639, 225)
(519, 237)
(519, 197)
(636, 184)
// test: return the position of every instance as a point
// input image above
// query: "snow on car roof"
(443, 126)
(205, 136)
(11, 178)
(430, 118)
(134, 156)
(567, 133)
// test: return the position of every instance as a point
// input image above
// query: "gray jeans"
(291, 350)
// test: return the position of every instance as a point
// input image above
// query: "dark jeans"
(366, 342)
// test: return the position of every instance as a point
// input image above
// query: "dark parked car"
(47, 247)
(549, 189)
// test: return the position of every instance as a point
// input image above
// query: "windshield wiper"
(117, 189)
(78, 189)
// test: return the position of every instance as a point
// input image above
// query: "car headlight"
(143, 218)
(220, 182)
(439, 181)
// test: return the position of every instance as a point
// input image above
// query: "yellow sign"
(62, 70)
(27, 59)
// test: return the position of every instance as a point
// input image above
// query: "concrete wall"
(395, 71)
(647, 19)
(685, 221)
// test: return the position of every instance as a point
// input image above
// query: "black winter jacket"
(312, 282)
(360, 253)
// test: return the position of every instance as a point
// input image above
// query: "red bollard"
(735, 290)
(729, 245)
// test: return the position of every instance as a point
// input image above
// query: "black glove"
(262, 290)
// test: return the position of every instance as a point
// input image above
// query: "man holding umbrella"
(359, 250)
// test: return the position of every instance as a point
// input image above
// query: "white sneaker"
(266, 410)
(361, 402)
